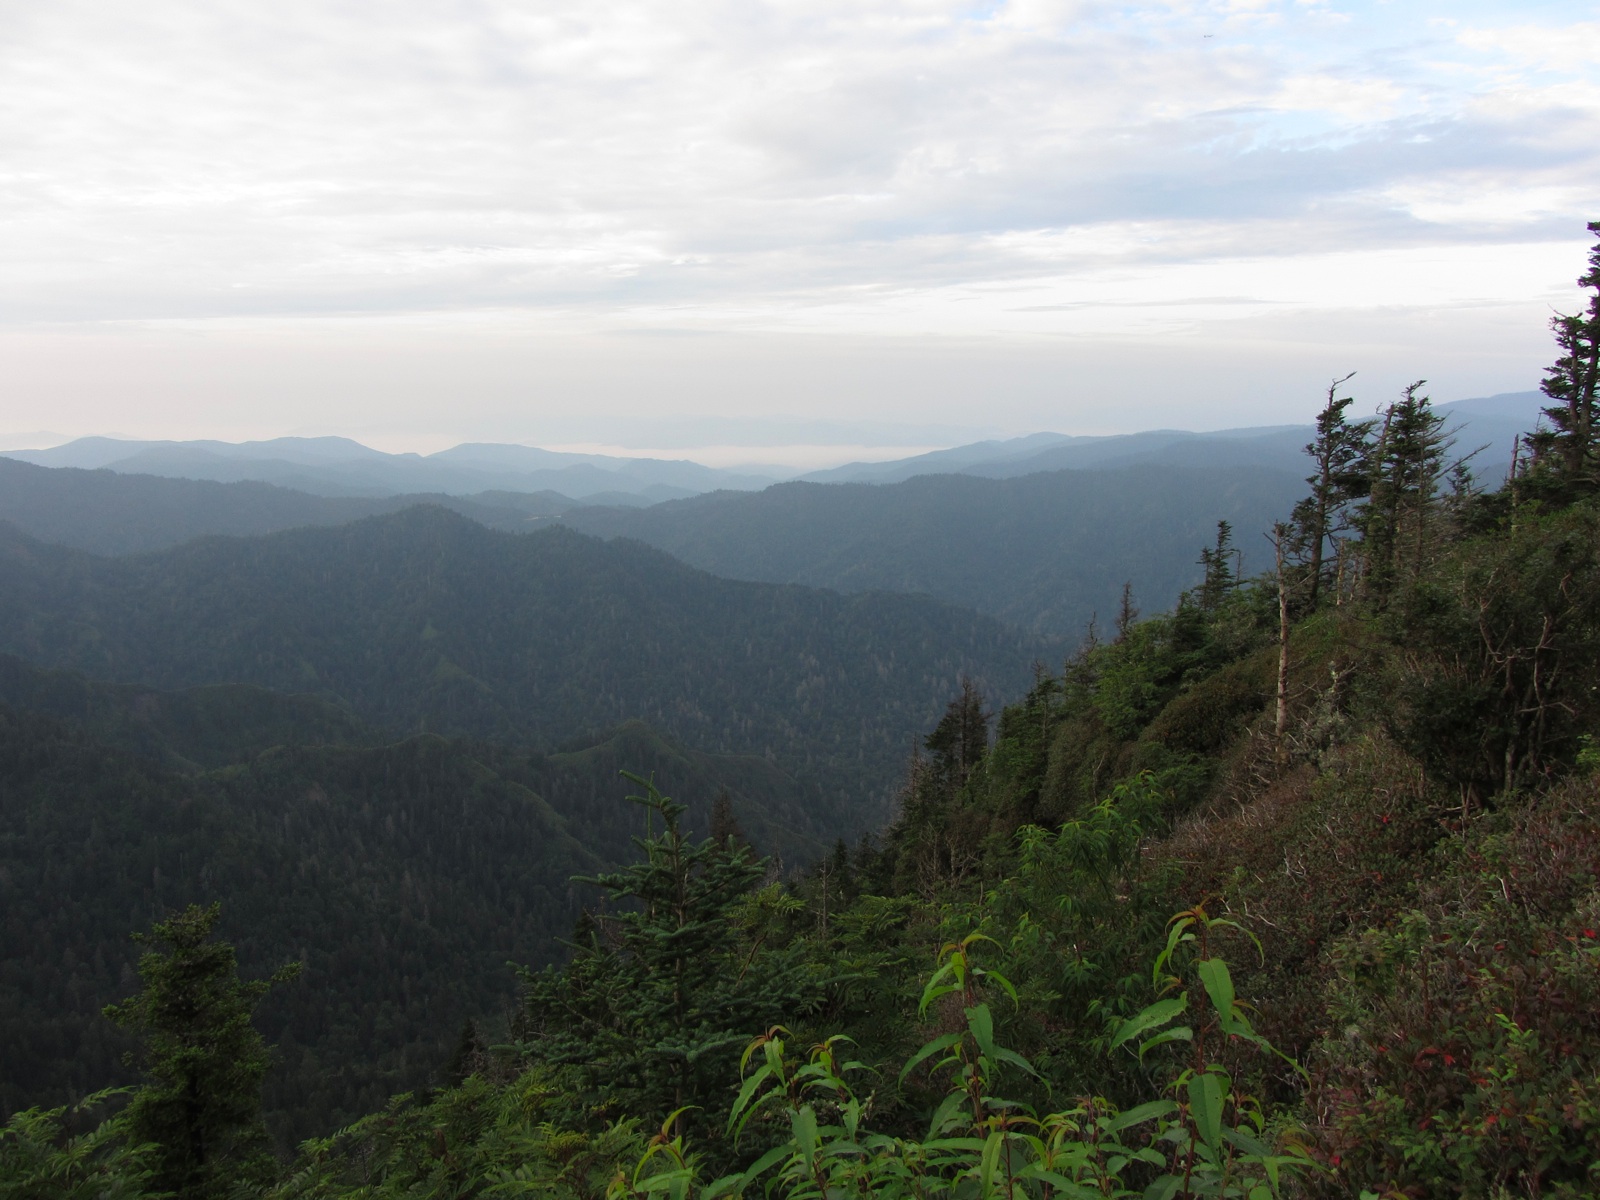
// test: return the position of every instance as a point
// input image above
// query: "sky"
(777, 231)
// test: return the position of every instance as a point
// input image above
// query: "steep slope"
(425, 620)
(1043, 551)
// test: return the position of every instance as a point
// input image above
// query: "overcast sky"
(735, 226)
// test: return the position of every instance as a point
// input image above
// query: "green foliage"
(40, 1160)
(1211, 1140)
(1493, 679)
(202, 1060)
(667, 977)
(1464, 1061)
(486, 1137)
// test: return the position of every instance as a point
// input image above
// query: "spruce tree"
(1405, 468)
(1565, 460)
(958, 742)
(664, 987)
(203, 1061)
(1339, 478)
(1220, 576)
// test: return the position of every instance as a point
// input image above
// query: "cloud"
(781, 166)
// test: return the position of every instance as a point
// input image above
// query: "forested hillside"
(1046, 552)
(426, 621)
(404, 876)
(1293, 890)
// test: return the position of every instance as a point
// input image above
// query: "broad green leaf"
(936, 987)
(745, 1094)
(1152, 1017)
(1177, 933)
(934, 1047)
(1138, 1116)
(951, 1106)
(1178, 1033)
(1214, 974)
(1062, 1185)
(1205, 1107)
(981, 1022)
(765, 1163)
(1245, 1142)
(990, 1162)
(804, 1123)
(1001, 1054)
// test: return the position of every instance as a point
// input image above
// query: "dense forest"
(424, 621)
(1291, 890)
(1044, 552)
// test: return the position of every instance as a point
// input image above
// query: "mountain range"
(426, 621)
(333, 466)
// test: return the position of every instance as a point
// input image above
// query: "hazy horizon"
(844, 225)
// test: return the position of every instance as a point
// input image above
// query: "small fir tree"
(203, 1061)
(664, 988)
(1220, 576)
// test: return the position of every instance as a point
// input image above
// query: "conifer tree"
(1405, 467)
(203, 1061)
(1566, 453)
(1338, 479)
(1220, 577)
(957, 743)
(664, 987)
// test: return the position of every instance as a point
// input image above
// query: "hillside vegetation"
(1294, 890)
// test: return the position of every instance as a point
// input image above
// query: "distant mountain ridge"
(341, 467)
(106, 512)
(1045, 551)
(1492, 421)
(424, 620)
(331, 466)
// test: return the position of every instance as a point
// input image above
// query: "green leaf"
(951, 1105)
(1175, 935)
(1214, 974)
(1152, 1017)
(989, 1162)
(804, 1124)
(1245, 1142)
(1205, 1107)
(1062, 1185)
(981, 1022)
(928, 1051)
(1178, 1033)
(745, 1094)
(765, 1163)
(1138, 1116)
(1001, 1054)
